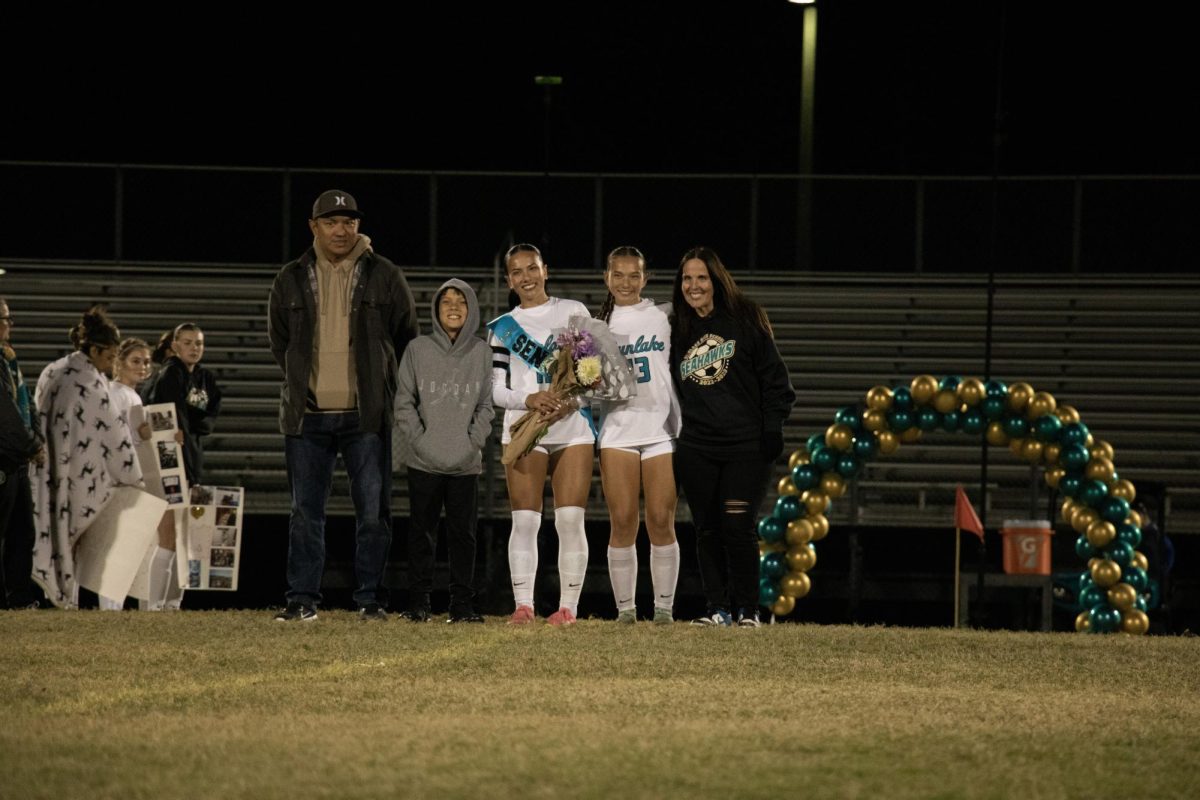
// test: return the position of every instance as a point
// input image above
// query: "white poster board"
(161, 456)
(114, 547)
(212, 538)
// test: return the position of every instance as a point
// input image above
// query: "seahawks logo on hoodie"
(707, 361)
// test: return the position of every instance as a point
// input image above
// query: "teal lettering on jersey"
(642, 346)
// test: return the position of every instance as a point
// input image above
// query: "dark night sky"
(687, 87)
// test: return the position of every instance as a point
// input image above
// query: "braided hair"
(624, 251)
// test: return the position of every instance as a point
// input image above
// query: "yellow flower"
(588, 370)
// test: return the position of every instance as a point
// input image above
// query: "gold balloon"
(1102, 449)
(1054, 475)
(1068, 508)
(874, 420)
(815, 502)
(839, 436)
(1082, 519)
(1019, 395)
(1091, 440)
(1083, 622)
(971, 391)
(888, 442)
(879, 398)
(802, 558)
(1139, 560)
(1032, 451)
(1099, 469)
(1101, 532)
(1017, 446)
(1122, 596)
(1067, 414)
(787, 486)
(770, 547)
(996, 435)
(783, 606)
(795, 585)
(923, 388)
(799, 531)
(1105, 574)
(1093, 561)
(1134, 518)
(1135, 622)
(833, 484)
(946, 401)
(911, 435)
(1051, 452)
(1123, 489)
(1041, 404)
(797, 458)
(820, 526)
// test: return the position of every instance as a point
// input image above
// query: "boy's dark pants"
(427, 494)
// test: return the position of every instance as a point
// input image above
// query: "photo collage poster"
(161, 456)
(214, 538)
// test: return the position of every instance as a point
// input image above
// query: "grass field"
(233, 705)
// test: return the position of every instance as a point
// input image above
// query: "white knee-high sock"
(174, 597)
(523, 554)
(108, 604)
(664, 572)
(160, 575)
(622, 571)
(572, 555)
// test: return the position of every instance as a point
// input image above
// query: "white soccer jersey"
(514, 380)
(644, 332)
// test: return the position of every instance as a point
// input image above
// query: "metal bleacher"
(1124, 351)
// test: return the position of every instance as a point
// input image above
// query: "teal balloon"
(973, 422)
(1069, 485)
(1105, 618)
(1074, 457)
(849, 416)
(773, 566)
(1083, 549)
(900, 420)
(993, 408)
(1115, 509)
(1153, 593)
(806, 476)
(813, 442)
(928, 419)
(1135, 577)
(865, 447)
(902, 399)
(768, 592)
(996, 390)
(1129, 533)
(824, 459)
(772, 529)
(848, 465)
(1091, 597)
(1085, 580)
(1016, 427)
(1075, 433)
(949, 383)
(1140, 603)
(1047, 428)
(1119, 552)
(788, 508)
(952, 421)
(1093, 493)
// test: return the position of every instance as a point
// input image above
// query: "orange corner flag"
(964, 514)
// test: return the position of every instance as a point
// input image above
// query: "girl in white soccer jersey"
(519, 342)
(637, 439)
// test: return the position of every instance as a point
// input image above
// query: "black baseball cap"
(336, 202)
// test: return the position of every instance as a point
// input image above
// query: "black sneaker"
(297, 611)
(748, 618)
(372, 611)
(466, 615)
(418, 614)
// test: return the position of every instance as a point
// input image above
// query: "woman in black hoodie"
(735, 395)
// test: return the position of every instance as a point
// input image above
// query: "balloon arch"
(1033, 425)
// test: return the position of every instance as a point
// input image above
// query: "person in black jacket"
(340, 317)
(193, 390)
(735, 395)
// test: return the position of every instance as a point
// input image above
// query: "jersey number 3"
(640, 365)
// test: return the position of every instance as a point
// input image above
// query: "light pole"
(804, 194)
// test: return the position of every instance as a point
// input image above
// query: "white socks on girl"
(572, 555)
(523, 555)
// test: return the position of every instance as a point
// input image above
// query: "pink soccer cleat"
(561, 617)
(522, 616)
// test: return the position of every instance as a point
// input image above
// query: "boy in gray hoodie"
(443, 418)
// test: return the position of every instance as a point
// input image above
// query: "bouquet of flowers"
(586, 362)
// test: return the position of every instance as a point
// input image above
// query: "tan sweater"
(334, 381)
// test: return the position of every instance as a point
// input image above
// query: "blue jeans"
(310, 459)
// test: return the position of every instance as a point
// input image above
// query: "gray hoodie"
(444, 397)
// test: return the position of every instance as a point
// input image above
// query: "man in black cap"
(340, 318)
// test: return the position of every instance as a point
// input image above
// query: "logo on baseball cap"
(334, 202)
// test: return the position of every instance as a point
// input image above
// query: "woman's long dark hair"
(95, 329)
(726, 296)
